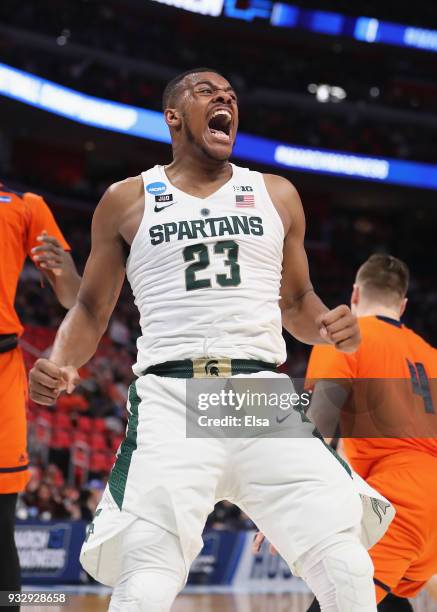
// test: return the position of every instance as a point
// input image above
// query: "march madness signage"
(49, 554)
(49, 551)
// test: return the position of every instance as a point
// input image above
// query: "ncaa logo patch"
(5, 199)
(156, 188)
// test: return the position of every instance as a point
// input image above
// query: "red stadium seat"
(80, 436)
(45, 416)
(32, 407)
(79, 463)
(98, 441)
(115, 442)
(61, 420)
(80, 453)
(110, 460)
(43, 431)
(73, 402)
(99, 425)
(60, 439)
(99, 462)
(85, 424)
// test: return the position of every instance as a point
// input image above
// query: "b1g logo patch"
(166, 197)
(243, 188)
(156, 188)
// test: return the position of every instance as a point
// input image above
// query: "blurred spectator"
(90, 498)
(119, 332)
(47, 497)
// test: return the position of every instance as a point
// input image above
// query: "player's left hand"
(340, 327)
(50, 255)
(257, 543)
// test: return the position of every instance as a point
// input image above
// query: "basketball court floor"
(213, 602)
(294, 602)
(286, 602)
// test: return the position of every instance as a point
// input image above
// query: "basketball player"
(208, 243)
(403, 469)
(27, 227)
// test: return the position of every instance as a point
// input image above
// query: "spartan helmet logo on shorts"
(378, 505)
(212, 368)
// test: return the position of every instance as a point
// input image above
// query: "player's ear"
(403, 306)
(172, 118)
(355, 297)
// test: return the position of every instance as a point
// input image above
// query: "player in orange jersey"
(27, 228)
(403, 469)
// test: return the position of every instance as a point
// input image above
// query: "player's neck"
(374, 310)
(195, 169)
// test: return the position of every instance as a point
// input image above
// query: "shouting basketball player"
(212, 248)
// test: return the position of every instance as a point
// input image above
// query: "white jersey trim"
(274, 213)
(142, 222)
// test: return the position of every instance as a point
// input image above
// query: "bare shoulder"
(124, 192)
(121, 202)
(285, 198)
(279, 185)
(120, 209)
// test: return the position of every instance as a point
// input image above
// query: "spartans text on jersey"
(206, 228)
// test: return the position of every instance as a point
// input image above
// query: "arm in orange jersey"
(431, 587)
(303, 313)
(80, 332)
(48, 249)
(328, 397)
(326, 362)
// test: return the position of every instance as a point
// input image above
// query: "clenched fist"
(340, 327)
(47, 381)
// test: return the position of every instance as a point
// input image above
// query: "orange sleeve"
(432, 362)
(40, 219)
(327, 362)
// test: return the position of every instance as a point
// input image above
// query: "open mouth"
(219, 125)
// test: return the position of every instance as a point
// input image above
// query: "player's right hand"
(47, 381)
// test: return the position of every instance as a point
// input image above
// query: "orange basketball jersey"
(23, 217)
(391, 351)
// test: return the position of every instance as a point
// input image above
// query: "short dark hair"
(172, 89)
(385, 277)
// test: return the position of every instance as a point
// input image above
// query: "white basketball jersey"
(206, 272)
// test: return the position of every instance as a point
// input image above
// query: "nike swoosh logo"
(278, 420)
(158, 209)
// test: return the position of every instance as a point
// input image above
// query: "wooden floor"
(295, 602)
(286, 602)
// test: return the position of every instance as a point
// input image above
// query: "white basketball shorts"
(294, 489)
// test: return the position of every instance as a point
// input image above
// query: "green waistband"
(208, 368)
